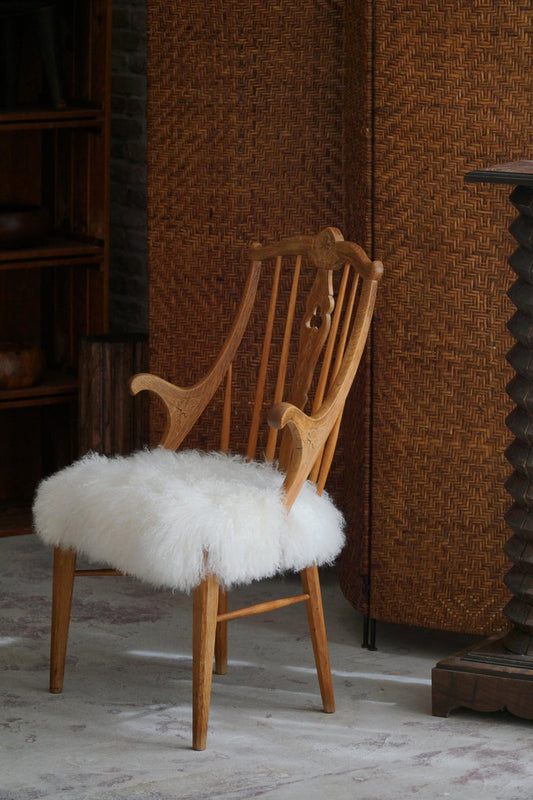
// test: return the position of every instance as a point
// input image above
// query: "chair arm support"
(284, 413)
(185, 405)
(308, 434)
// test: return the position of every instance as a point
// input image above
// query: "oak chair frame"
(303, 451)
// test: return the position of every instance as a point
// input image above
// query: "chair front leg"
(317, 628)
(63, 582)
(205, 609)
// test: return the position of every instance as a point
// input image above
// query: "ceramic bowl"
(20, 365)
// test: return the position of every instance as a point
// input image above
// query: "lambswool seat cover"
(171, 518)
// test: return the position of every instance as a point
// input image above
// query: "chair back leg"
(205, 610)
(63, 582)
(317, 628)
(221, 640)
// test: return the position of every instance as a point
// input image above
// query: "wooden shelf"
(56, 251)
(41, 118)
(56, 387)
(55, 293)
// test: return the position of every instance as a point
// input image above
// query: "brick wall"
(128, 259)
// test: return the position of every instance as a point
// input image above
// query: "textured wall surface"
(270, 120)
(452, 92)
(245, 109)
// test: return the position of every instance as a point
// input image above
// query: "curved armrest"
(185, 405)
(309, 434)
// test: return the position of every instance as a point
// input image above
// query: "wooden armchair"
(206, 521)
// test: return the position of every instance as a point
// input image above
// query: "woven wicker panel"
(245, 142)
(453, 93)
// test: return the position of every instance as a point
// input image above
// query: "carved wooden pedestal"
(498, 673)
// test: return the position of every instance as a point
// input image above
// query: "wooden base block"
(485, 677)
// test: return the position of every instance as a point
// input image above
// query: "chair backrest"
(303, 323)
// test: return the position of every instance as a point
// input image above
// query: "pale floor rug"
(121, 729)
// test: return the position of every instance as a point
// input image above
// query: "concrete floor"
(121, 729)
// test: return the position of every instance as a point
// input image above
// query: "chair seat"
(173, 518)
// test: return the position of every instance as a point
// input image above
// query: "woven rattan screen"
(245, 131)
(452, 92)
(271, 119)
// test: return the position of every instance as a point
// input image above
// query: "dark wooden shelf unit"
(55, 292)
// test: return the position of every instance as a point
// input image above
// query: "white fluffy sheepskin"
(154, 513)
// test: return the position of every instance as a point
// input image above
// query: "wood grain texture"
(63, 582)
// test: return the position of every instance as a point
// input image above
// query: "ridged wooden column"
(498, 672)
(519, 548)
